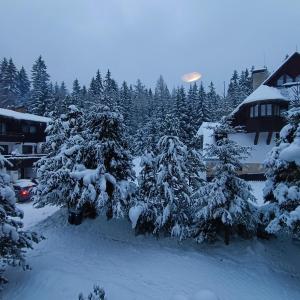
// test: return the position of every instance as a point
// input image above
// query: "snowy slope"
(73, 258)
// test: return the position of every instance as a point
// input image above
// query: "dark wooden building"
(21, 136)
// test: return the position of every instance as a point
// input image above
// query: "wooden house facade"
(21, 136)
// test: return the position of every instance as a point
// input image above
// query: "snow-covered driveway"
(73, 258)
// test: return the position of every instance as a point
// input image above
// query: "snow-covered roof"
(263, 92)
(22, 116)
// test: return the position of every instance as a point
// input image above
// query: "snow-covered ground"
(73, 258)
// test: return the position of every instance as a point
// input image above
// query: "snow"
(263, 92)
(292, 152)
(24, 183)
(22, 116)
(259, 152)
(134, 214)
(74, 258)
(33, 216)
(257, 191)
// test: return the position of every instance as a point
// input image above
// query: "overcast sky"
(146, 38)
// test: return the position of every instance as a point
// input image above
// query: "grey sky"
(146, 38)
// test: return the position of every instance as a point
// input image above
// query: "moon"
(191, 77)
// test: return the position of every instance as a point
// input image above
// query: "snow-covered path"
(74, 258)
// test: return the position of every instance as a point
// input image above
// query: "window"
(251, 111)
(32, 129)
(4, 149)
(263, 110)
(27, 149)
(256, 110)
(2, 128)
(269, 109)
(29, 129)
(276, 110)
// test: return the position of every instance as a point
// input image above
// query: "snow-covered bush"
(97, 294)
(13, 240)
(282, 189)
(164, 203)
(224, 205)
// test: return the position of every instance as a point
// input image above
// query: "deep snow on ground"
(73, 258)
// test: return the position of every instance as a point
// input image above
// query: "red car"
(23, 189)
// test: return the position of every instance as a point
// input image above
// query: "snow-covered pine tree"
(203, 107)
(40, 88)
(225, 204)
(23, 83)
(282, 188)
(164, 204)
(110, 91)
(106, 152)
(184, 113)
(213, 103)
(63, 143)
(9, 90)
(13, 240)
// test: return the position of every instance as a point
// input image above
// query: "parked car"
(23, 189)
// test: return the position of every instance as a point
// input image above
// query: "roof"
(22, 116)
(263, 92)
(291, 66)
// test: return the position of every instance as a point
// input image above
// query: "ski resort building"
(261, 115)
(21, 136)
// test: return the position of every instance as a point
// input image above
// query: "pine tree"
(106, 151)
(164, 204)
(9, 91)
(203, 107)
(23, 84)
(63, 145)
(13, 240)
(225, 204)
(40, 88)
(110, 91)
(282, 188)
(213, 102)
(126, 104)
(234, 96)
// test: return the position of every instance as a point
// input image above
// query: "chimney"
(258, 77)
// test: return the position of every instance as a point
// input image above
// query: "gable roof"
(263, 92)
(291, 67)
(22, 116)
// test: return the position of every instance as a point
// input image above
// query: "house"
(21, 136)
(261, 115)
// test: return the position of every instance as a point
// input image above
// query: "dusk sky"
(146, 38)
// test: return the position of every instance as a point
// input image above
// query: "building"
(261, 115)
(21, 136)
